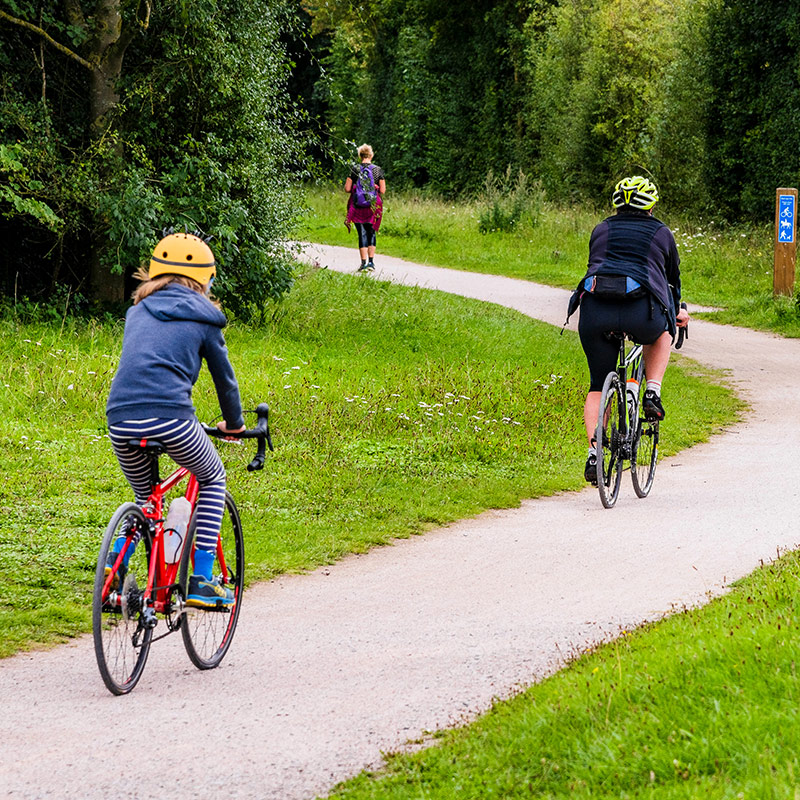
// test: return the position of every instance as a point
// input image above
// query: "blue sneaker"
(119, 576)
(204, 593)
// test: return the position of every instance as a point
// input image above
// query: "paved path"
(329, 669)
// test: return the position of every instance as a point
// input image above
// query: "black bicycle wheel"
(644, 456)
(609, 440)
(121, 642)
(207, 633)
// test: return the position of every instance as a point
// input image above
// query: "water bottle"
(175, 527)
(632, 393)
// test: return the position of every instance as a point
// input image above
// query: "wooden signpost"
(785, 241)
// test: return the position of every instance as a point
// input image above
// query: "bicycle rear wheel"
(207, 633)
(644, 456)
(121, 641)
(610, 423)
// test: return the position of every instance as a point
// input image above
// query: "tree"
(434, 86)
(754, 76)
(596, 92)
(102, 41)
(188, 124)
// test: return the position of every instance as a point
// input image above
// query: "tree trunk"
(108, 47)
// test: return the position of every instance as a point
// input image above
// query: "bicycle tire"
(121, 642)
(609, 442)
(644, 456)
(207, 634)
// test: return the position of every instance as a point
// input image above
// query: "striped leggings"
(187, 445)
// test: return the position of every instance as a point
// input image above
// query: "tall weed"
(509, 201)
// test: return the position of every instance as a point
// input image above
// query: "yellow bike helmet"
(637, 192)
(183, 254)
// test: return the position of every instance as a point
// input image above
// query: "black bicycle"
(623, 433)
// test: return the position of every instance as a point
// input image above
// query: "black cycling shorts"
(643, 319)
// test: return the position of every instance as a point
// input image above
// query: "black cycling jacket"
(641, 247)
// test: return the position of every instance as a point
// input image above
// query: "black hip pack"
(614, 287)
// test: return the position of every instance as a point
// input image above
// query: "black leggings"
(642, 319)
(366, 234)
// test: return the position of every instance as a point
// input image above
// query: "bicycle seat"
(151, 446)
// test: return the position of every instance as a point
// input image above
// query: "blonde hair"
(150, 285)
(365, 151)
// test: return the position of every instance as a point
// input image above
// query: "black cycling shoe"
(590, 470)
(651, 405)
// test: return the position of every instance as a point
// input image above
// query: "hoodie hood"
(176, 302)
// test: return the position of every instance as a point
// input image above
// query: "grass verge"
(703, 704)
(728, 267)
(393, 409)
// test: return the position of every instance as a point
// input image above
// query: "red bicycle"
(146, 581)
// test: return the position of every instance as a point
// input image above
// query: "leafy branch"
(47, 37)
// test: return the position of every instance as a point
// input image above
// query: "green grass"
(729, 268)
(701, 705)
(393, 409)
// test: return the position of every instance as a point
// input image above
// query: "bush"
(203, 135)
(509, 201)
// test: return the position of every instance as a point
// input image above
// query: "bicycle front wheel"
(644, 457)
(121, 640)
(207, 633)
(610, 424)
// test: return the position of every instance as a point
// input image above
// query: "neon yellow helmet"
(183, 254)
(637, 192)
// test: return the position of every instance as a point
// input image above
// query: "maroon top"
(371, 215)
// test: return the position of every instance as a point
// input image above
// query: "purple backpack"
(365, 193)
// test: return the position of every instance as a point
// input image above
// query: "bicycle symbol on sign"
(786, 218)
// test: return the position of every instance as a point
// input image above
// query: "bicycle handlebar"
(260, 432)
(683, 333)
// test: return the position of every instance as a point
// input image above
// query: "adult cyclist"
(632, 285)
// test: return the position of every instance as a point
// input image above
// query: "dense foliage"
(700, 94)
(121, 116)
(198, 132)
(754, 142)
(435, 86)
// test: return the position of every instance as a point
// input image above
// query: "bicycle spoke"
(207, 633)
(609, 444)
(121, 644)
(644, 457)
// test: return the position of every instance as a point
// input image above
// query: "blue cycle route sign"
(786, 211)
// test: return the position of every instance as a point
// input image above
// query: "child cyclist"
(171, 327)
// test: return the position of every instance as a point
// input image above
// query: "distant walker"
(365, 186)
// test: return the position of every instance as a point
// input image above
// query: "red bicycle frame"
(161, 576)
